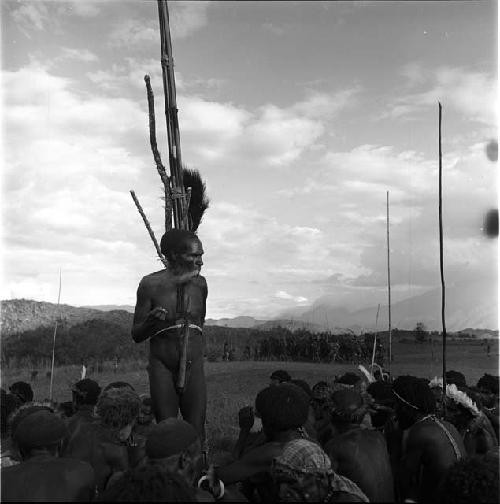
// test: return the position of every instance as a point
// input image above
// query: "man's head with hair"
(175, 444)
(381, 391)
(118, 408)
(349, 378)
(150, 483)
(489, 382)
(86, 391)
(414, 398)
(175, 242)
(471, 480)
(347, 407)
(282, 407)
(455, 377)
(279, 376)
(22, 390)
(39, 429)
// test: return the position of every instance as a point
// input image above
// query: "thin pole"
(443, 295)
(54, 340)
(375, 339)
(389, 285)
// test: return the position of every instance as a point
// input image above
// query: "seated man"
(85, 394)
(145, 420)
(283, 410)
(107, 444)
(430, 446)
(42, 475)
(303, 473)
(358, 453)
(173, 448)
(471, 480)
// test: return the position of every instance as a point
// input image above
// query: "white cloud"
(78, 54)
(472, 94)
(186, 18)
(31, 15)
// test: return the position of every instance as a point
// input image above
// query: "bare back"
(427, 455)
(361, 455)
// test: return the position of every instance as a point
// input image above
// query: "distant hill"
(21, 315)
(467, 305)
(243, 321)
(127, 308)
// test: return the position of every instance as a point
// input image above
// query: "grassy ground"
(232, 385)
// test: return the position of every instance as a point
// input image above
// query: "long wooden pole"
(375, 339)
(54, 339)
(173, 136)
(389, 285)
(441, 267)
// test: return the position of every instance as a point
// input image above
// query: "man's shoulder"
(153, 279)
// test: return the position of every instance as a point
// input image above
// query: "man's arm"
(144, 317)
(410, 465)
(253, 462)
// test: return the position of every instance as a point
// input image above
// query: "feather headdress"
(456, 395)
(367, 373)
(199, 201)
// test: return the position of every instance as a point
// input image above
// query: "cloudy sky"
(299, 115)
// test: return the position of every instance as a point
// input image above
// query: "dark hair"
(149, 482)
(455, 377)
(22, 390)
(415, 391)
(176, 241)
(303, 385)
(87, 391)
(118, 407)
(488, 382)
(471, 480)
(282, 407)
(349, 378)
(347, 406)
(281, 375)
(381, 391)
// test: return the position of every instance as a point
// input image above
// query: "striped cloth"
(304, 457)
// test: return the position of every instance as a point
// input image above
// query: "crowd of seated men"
(350, 439)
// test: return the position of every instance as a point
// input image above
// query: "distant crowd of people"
(304, 346)
(356, 438)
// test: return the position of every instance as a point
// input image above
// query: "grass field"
(232, 385)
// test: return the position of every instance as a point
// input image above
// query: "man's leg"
(164, 397)
(193, 401)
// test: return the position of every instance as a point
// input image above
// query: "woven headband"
(404, 400)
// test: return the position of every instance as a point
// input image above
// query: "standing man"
(168, 301)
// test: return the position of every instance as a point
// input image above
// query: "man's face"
(191, 259)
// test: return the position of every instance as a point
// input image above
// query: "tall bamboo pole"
(54, 339)
(173, 136)
(389, 285)
(441, 268)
